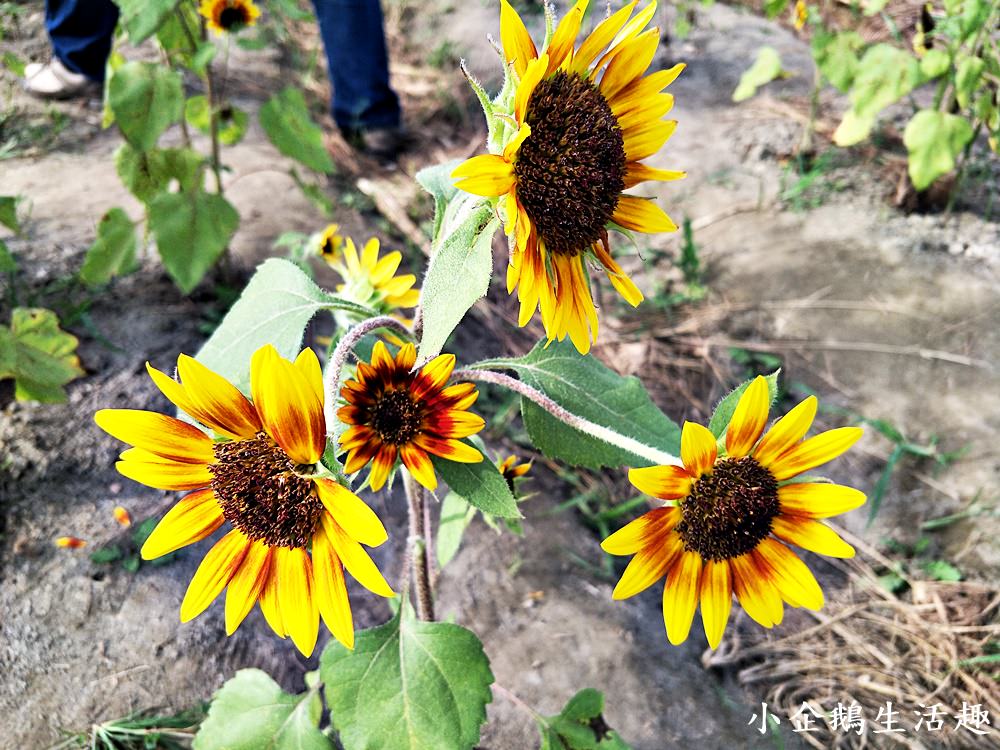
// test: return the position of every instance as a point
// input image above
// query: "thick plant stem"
(658, 457)
(418, 553)
(332, 375)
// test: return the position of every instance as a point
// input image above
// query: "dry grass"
(870, 646)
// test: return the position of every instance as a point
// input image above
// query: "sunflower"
(368, 279)
(733, 516)
(582, 122)
(395, 411)
(263, 475)
(225, 16)
(511, 470)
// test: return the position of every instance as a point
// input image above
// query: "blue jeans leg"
(81, 32)
(359, 67)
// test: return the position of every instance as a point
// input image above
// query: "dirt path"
(889, 316)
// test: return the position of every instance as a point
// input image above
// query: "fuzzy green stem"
(418, 546)
(654, 455)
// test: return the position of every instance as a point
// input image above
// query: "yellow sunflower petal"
(560, 46)
(383, 460)
(381, 359)
(288, 405)
(419, 465)
(455, 423)
(449, 448)
(664, 482)
(509, 153)
(165, 436)
(369, 254)
(193, 518)
(432, 376)
(716, 599)
(643, 141)
(814, 452)
(647, 567)
(308, 365)
(641, 215)
(748, 419)
(652, 110)
(406, 356)
(269, 605)
(227, 410)
(630, 63)
(633, 96)
(786, 432)
(214, 573)
(680, 596)
(811, 535)
(636, 172)
(165, 474)
(174, 391)
(757, 595)
(792, 576)
(529, 80)
(246, 585)
(698, 449)
(487, 174)
(356, 559)
(331, 589)
(619, 279)
(639, 533)
(818, 500)
(299, 611)
(601, 37)
(515, 39)
(351, 513)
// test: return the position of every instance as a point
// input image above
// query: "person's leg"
(81, 32)
(359, 69)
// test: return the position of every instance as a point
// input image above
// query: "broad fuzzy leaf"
(146, 99)
(7, 262)
(148, 173)
(251, 712)
(585, 387)
(192, 230)
(481, 485)
(885, 75)
(437, 181)
(141, 18)
(456, 514)
(408, 685)
(934, 140)
(458, 275)
(285, 118)
(836, 56)
(765, 69)
(232, 123)
(580, 726)
(274, 308)
(113, 252)
(8, 212)
(38, 355)
(723, 413)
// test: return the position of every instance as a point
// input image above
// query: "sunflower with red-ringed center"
(735, 515)
(395, 412)
(263, 476)
(584, 117)
(228, 16)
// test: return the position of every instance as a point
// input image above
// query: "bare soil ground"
(885, 315)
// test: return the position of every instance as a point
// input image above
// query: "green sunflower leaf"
(723, 413)
(7, 262)
(481, 485)
(148, 173)
(437, 181)
(146, 99)
(38, 355)
(580, 726)
(456, 515)
(765, 69)
(274, 308)
(113, 252)
(585, 387)
(285, 118)
(8, 212)
(142, 18)
(934, 140)
(457, 276)
(408, 685)
(192, 229)
(251, 712)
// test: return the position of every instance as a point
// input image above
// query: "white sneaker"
(53, 80)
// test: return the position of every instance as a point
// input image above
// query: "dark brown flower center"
(395, 417)
(261, 493)
(729, 511)
(233, 17)
(571, 169)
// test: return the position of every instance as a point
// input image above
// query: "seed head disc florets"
(395, 417)
(729, 511)
(261, 494)
(571, 169)
(233, 18)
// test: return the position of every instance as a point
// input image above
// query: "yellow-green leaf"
(934, 140)
(765, 69)
(38, 355)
